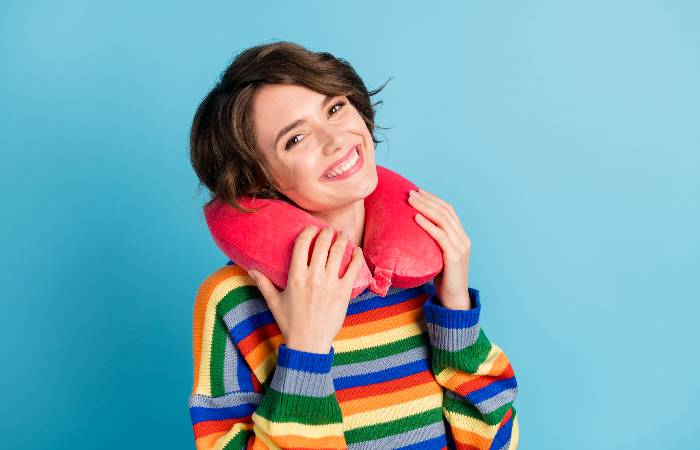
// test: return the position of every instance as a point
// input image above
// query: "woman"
(310, 367)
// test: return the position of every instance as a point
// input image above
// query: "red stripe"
(212, 426)
(483, 381)
(384, 312)
(248, 344)
(385, 387)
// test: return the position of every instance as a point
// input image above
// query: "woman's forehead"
(277, 106)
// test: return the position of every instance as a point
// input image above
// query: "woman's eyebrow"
(298, 122)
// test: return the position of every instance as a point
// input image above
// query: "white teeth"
(345, 166)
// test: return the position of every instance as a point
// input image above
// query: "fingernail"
(252, 274)
(413, 193)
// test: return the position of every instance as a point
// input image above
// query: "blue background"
(566, 135)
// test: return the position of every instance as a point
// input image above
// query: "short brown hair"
(222, 140)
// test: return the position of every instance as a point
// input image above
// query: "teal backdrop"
(565, 134)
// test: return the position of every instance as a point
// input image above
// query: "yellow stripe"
(470, 424)
(263, 442)
(487, 366)
(299, 429)
(223, 288)
(394, 412)
(217, 441)
(381, 338)
(267, 365)
(514, 435)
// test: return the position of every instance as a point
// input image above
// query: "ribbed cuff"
(453, 318)
(305, 361)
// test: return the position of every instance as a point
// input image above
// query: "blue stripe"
(436, 442)
(202, 414)
(379, 302)
(243, 373)
(391, 373)
(503, 434)
(250, 324)
(492, 389)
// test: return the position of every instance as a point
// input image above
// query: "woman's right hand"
(312, 308)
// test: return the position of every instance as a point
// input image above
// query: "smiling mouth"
(346, 166)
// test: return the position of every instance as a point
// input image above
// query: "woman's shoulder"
(224, 288)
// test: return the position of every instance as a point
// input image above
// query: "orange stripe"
(413, 316)
(354, 393)
(460, 378)
(200, 306)
(261, 334)
(293, 441)
(469, 440)
(256, 357)
(208, 442)
(381, 401)
(385, 311)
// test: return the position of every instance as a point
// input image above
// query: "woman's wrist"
(310, 347)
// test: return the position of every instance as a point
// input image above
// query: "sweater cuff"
(452, 330)
(306, 361)
(303, 373)
(453, 318)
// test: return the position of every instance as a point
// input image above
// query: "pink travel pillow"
(398, 252)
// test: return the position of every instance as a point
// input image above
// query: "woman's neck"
(350, 219)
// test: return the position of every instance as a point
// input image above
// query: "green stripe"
(393, 348)
(397, 426)
(240, 440)
(235, 297)
(465, 408)
(467, 360)
(216, 364)
(497, 414)
(278, 407)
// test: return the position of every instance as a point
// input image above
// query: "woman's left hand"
(439, 219)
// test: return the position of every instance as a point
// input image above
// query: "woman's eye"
(291, 142)
(341, 103)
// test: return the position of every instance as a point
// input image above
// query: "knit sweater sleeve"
(293, 406)
(479, 381)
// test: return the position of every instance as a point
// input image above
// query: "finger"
(265, 286)
(300, 254)
(459, 227)
(436, 212)
(320, 252)
(337, 252)
(354, 267)
(436, 232)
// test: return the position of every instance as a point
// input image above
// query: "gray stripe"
(291, 381)
(453, 339)
(369, 294)
(407, 438)
(226, 401)
(243, 311)
(231, 362)
(495, 402)
(361, 368)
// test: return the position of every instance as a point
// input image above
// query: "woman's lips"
(352, 170)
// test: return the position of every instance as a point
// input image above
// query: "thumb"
(267, 289)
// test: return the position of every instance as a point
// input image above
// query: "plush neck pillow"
(398, 252)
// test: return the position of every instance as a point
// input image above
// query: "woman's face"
(305, 137)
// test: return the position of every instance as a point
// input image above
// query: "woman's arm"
(295, 404)
(478, 377)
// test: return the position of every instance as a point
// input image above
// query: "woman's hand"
(451, 285)
(312, 308)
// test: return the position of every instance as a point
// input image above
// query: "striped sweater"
(403, 372)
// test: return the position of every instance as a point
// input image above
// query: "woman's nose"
(332, 141)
